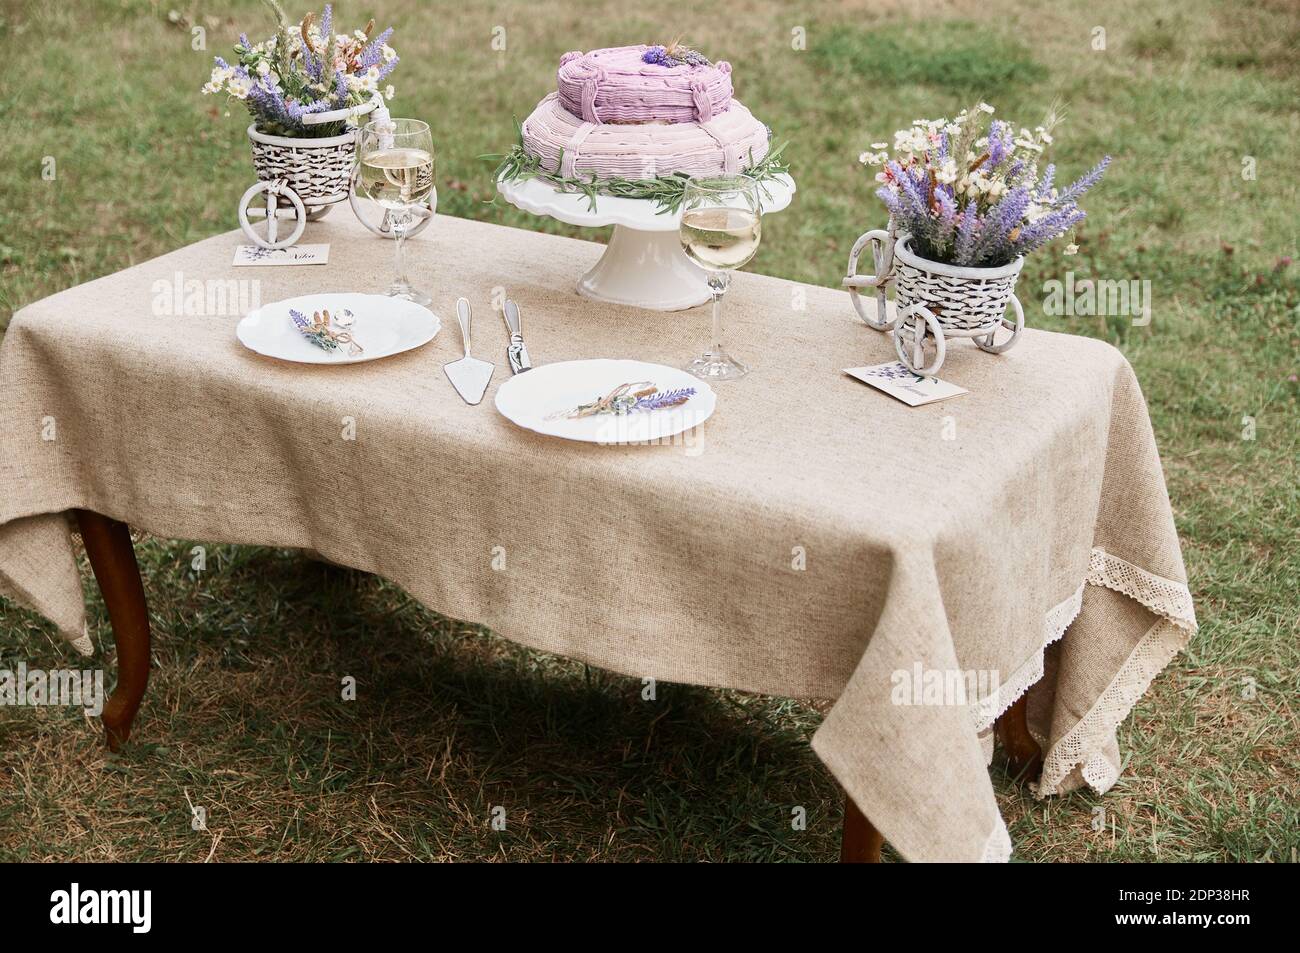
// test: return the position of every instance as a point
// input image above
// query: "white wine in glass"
(722, 224)
(721, 239)
(397, 178)
(396, 172)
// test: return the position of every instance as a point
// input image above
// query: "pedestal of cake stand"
(644, 264)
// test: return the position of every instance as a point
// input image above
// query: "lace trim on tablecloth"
(1164, 597)
(987, 710)
(997, 849)
(1081, 746)
(84, 644)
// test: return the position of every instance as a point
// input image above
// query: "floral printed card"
(293, 255)
(897, 381)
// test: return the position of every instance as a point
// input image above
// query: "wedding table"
(814, 538)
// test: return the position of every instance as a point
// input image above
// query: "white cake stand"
(644, 264)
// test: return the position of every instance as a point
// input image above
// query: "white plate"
(383, 326)
(526, 399)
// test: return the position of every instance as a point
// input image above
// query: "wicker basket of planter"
(934, 301)
(300, 178)
(318, 170)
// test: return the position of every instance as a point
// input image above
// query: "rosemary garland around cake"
(665, 191)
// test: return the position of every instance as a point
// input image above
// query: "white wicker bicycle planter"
(302, 178)
(934, 301)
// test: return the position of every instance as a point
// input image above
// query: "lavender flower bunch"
(974, 197)
(304, 69)
(674, 54)
(313, 332)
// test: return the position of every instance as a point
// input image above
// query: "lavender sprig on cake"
(674, 55)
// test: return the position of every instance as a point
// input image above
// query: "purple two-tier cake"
(638, 112)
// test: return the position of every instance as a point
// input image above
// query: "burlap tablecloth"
(814, 539)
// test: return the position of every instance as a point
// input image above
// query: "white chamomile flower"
(217, 80)
(389, 92)
(389, 54)
(264, 67)
(985, 108)
(911, 140)
(947, 173)
(369, 80)
(880, 145)
(1072, 249)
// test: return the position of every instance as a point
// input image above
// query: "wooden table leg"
(1023, 752)
(108, 544)
(860, 842)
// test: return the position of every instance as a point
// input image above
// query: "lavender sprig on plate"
(319, 330)
(663, 399)
(317, 335)
(626, 398)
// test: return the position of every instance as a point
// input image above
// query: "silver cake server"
(469, 375)
(516, 353)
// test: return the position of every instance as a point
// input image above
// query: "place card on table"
(293, 255)
(896, 380)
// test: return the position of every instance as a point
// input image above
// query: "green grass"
(244, 715)
(957, 56)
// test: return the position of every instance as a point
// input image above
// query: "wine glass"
(396, 158)
(721, 225)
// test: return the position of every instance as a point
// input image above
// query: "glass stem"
(718, 281)
(398, 221)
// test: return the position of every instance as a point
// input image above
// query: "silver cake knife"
(469, 375)
(516, 353)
